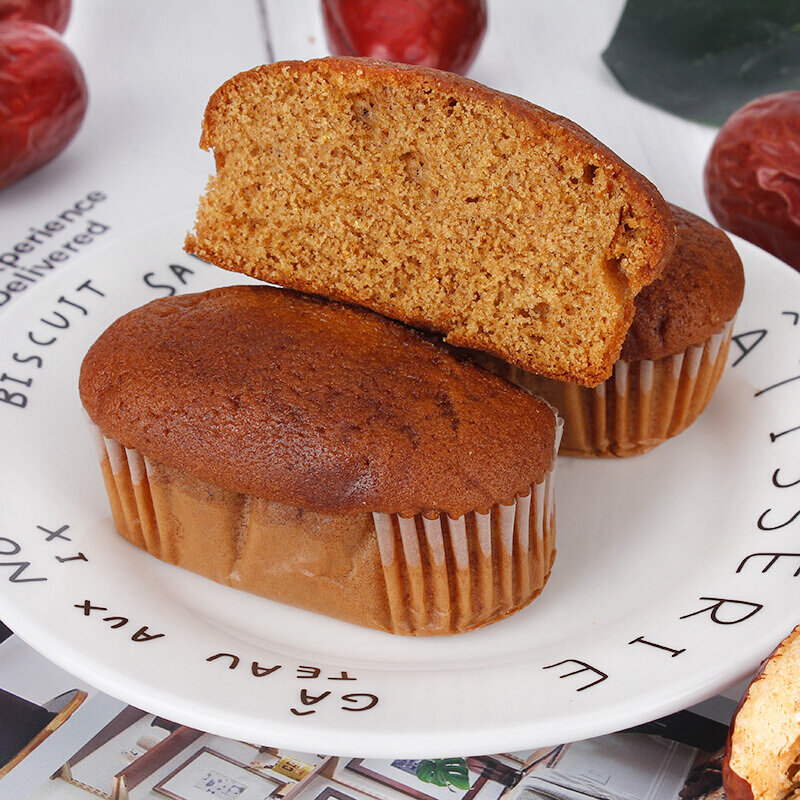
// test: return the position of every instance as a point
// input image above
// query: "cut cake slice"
(436, 201)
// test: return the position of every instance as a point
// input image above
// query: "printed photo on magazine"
(63, 740)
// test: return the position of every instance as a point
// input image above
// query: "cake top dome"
(313, 403)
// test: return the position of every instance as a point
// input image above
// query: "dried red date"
(445, 34)
(53, 13)
(752, 176)
(43, 97)
(761, 753)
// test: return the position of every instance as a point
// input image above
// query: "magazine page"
(62, 740)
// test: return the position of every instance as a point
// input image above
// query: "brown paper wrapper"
(413, 576)
(641, 405)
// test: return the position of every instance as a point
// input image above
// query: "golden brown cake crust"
(699, 290)
(424, 196)
(313, 404)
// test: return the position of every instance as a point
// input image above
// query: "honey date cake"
(436, 201)
(323, 456)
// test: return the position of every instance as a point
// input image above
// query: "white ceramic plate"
(676, 573)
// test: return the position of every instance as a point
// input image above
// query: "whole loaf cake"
(323, 456)
(436, 201)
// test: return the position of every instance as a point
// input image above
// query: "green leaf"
(703, 59)
(425, 770)
(444, 772)
(439, 776)
(459, 779)
(430, 771)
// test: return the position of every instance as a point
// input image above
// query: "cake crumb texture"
(433, 200)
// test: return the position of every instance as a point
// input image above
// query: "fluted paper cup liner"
(416, 575)
(641, 405)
